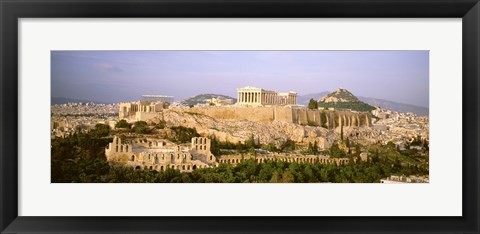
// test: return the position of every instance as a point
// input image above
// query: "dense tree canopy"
(81, 158)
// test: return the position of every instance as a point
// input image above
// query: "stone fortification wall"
(348, 118)
(283, 114)
(298, 115)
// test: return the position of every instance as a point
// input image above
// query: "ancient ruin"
(298, 158)
(158, 154)
(259, 97)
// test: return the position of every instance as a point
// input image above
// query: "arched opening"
(132, 158)
(150, 168)
(211, 157)
(137, 168)
(194, 167)
(183, 167)
(161, 168)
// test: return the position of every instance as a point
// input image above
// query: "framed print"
(276, 116)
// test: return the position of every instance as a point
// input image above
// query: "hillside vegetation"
(343, 99)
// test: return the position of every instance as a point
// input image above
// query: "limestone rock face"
(273, 132)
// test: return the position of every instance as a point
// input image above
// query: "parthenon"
(258, 97)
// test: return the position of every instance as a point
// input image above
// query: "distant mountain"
(64, 100)
(395, 106)
(203, 98)
(304, 99)
(343, 99)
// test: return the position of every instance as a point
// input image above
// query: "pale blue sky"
(114, 76)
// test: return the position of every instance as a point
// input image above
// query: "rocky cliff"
(274, 132)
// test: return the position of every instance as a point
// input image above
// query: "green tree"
(312, 104)
(250, 143)
(141, 127)
(161, 125)
(287, 177)
(323, 119)
(101, 130)
(341, 132)
(122, 124)
(312, 148)
(184, 134)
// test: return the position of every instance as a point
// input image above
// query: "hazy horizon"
(116, 76)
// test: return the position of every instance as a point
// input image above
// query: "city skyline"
(116, 76)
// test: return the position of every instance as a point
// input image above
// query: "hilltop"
(386, 104)
(203, 98)
(343, 99)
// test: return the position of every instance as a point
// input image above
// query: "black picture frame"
(11, 11)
